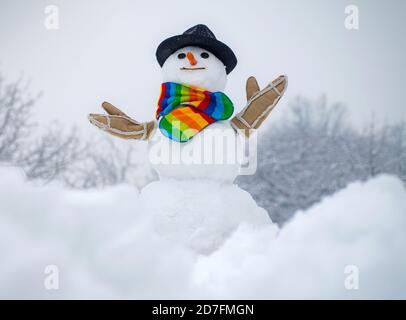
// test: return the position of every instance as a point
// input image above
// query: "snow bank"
(105, 247)
(361, 226)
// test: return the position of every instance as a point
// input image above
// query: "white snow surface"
(116, 243)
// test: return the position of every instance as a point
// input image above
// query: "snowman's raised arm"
(260, 103)
(118, 124)
(251, 87)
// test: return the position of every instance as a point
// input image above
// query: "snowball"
(200, 214)
(217, 153)
(212, 76)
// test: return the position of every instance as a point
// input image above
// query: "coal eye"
(181, 56)
(204, 55)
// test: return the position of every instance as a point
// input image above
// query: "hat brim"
(216, 47)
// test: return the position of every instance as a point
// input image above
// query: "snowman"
(195, 142)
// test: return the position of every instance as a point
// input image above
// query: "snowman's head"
(197, 67)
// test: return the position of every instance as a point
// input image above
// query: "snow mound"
(109, 244)
(361, 226)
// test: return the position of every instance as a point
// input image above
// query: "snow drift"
(104, 246)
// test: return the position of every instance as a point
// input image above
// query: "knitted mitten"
(259, 104)
(119, 124)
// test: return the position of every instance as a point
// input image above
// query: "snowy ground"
(104, 247)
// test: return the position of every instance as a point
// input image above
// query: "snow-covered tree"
(314, 152)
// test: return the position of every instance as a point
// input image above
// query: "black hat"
(200, 36)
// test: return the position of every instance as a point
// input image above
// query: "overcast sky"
(105, 50)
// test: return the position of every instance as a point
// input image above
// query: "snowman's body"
(196, 203)
(197, 67)
(213, 155)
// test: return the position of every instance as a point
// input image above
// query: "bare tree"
(52, 155)
(15, 120)
(396, 149)
(110, 162)
(60, 155)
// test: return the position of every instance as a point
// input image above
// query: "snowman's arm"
(118, 124)
(259, 105)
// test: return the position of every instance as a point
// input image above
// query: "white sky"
(105, 50)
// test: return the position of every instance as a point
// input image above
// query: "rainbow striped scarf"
(187, 110)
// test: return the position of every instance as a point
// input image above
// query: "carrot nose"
(191, 58)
